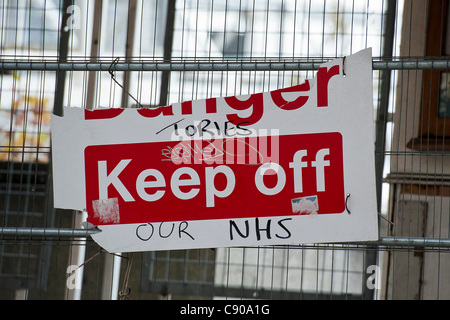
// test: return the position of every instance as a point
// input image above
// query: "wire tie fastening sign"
(343, 67)
(111, 72)
(126, 290)
(346, 203)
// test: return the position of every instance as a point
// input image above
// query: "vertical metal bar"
(79, 245)
(77, 257)
(117, 260)
(370, 256)
(62, 55)
(168, 43)
(129, 45)
(382, 112)
(95, 44)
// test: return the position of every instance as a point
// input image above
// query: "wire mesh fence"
(57, 53)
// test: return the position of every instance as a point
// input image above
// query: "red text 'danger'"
(251, 105)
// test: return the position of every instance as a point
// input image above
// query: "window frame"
(433, 126)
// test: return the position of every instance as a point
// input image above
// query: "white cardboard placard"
(290, 166)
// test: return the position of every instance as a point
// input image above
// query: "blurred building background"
(56, 53)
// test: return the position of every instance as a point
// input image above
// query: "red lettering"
(277, 97)
(211, 105)
(186, 107)
(102, 113)
(255, 101)
(154, 112)
(323, 77)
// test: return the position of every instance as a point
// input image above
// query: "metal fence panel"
(57, 53)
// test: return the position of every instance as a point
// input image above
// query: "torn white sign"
(266, 168)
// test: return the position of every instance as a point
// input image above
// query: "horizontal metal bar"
(209, 289)
(160, 66)
(208, 66)
(46, 232)
(413, 242)
(411, 65)
(80, 233)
